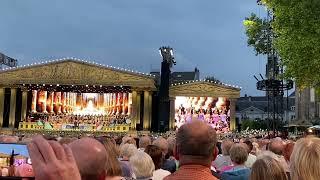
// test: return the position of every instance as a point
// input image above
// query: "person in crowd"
(9, 139)
(162, 143)
(113, 168)
(305, 159)
(223, 160)
(91, 158)
(195, 150)
(157, 157)
(238, 171)
(126, 151)
(129, 140)
(277, 146)
(171, 143)
(288, 151)
(142, 166)
(52, 161)
(251, 158)
(267, 168)
(144, 141)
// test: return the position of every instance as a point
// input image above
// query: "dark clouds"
(207, 34)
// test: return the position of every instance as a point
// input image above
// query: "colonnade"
(136, 116)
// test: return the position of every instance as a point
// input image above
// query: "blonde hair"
(305, 159)
(267, 168)
(239, 153)
(226, 146)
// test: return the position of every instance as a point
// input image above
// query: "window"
(293, 108)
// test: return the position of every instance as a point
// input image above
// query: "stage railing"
(119, 128)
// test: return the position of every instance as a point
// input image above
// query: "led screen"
(214, 111)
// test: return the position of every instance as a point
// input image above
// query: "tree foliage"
(258, 32)
(296, 26)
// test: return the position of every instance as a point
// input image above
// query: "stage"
(76, 95)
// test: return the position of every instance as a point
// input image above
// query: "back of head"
(90, 156)
(305, 159)
(196, 141)
(267, 168)
(249, 145)
(239, 153)
(276, 146)
(226, 146)
(144, 141)
(142, 165)
(113, 167)
(162, 143)
(156, 154)
(171, 143)
(288, 150)
(9, 139)
(127, 150)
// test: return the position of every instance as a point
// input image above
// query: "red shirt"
(192, 172)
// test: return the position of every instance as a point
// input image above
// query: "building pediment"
(70, 71)
(204, 89)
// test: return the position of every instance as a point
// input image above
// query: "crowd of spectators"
(193, 152)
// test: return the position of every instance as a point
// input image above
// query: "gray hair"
(127, 150)
(142, 165)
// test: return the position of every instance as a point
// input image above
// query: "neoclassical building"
(69, 86)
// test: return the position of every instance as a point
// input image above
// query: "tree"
(212, 78)
(296, 29)
(258, 32)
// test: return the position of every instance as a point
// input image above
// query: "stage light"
(58, 85)
(50, 84)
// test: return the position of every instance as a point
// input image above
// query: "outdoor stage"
(76, 95)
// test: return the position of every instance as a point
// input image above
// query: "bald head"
(9, 139)
(90, 156)
(196, 140)
(276, 146)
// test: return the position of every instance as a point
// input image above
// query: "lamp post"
(164, 100)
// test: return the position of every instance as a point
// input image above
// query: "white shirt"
(251, 159)
(222, 161)
(159, 174)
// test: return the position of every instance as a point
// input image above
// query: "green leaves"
(258, 31)
(296, 25)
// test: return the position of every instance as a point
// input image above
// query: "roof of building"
(92, 63)
(260, 102)
(183, 76)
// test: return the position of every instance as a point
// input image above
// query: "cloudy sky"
(204, 33)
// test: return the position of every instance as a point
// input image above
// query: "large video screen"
(214, 111)
(81, 103)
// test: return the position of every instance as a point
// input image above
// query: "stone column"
(1, 105)
(24, 105)
(134, 110)
(172, 113)
(150, 111)
(146, 110)
(233, 114)
(12, 115)
(138, 108)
